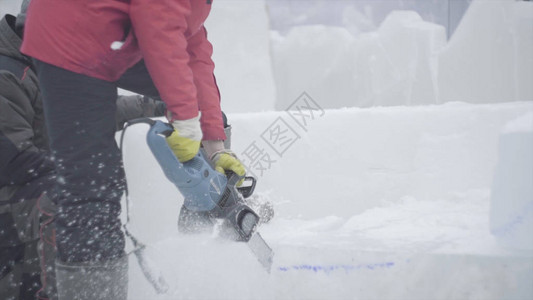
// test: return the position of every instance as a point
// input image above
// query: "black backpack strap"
(12, 65)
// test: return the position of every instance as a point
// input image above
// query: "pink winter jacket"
(169, 35)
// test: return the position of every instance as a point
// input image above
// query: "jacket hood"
(10, 42)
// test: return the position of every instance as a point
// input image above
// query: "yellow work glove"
(186, 138)
(227, 161)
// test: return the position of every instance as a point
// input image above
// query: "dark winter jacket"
(103, 38)
(23, 138)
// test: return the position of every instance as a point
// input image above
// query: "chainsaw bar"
(241, 223)
(261, 250)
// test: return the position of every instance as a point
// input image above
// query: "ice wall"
(361, 15)
(396, 65)
(315, 59)
(239, 32)
(408, 61)
(489, 57)
(511, 214)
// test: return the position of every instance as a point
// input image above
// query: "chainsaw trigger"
(248, 186)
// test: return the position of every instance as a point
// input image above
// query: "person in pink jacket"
(83, 50)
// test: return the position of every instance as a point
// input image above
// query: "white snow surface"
(521, 124)
(377, 203)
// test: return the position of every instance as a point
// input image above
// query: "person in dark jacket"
(27, 174)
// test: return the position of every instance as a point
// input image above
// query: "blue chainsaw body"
(201, 186)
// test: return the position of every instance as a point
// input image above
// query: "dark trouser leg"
(31, 273)
(19, 273)
(80, 118)
(11, 259)
(20, 268)
(138, 80)
(47, 247)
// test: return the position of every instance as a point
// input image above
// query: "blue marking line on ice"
(510, 226)
(331, 268)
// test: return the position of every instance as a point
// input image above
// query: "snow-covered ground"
(377, 203)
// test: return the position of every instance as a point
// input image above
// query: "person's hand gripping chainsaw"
(185, 143)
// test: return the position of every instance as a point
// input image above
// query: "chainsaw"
(210, 192)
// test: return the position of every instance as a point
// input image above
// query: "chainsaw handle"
(233, 178)
(247, 191)
(157, 127)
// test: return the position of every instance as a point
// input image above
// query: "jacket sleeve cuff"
(211, 147)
